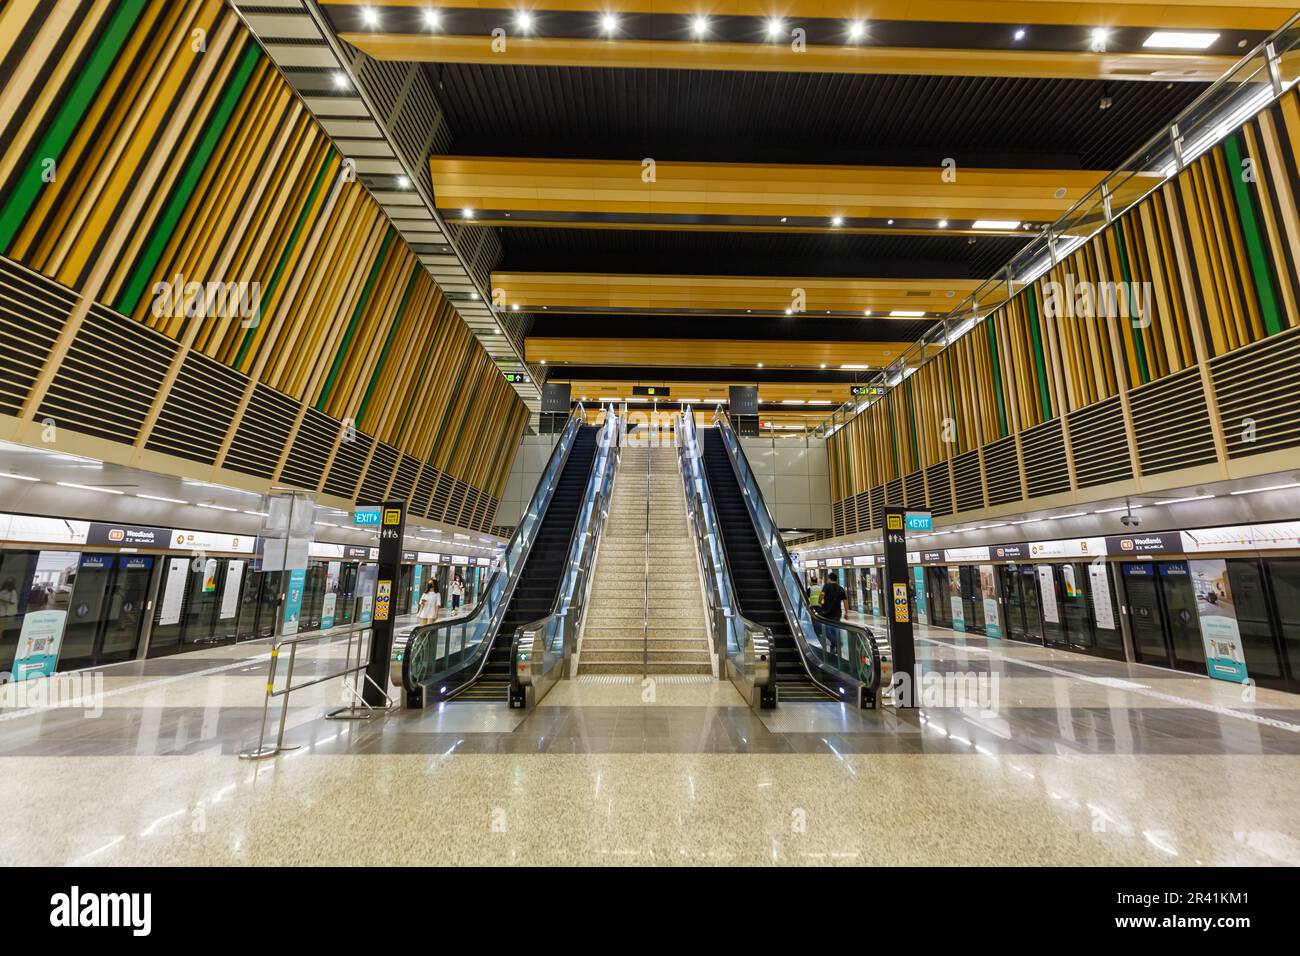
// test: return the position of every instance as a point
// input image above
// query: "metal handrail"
(530, 665)
(416, 645)
(1160, 158)
(797, 609)
(749, 665)
(645, 611)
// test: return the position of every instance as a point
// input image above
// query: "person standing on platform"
(430, 601)
(457, 591)
(833, 607)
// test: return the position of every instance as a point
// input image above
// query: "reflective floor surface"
(1020, 755)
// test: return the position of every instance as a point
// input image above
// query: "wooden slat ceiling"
(698, 295)
(711, 353)
(609, 193)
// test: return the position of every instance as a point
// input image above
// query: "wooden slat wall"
(251, 191)
(1219, 244)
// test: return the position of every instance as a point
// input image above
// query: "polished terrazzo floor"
(1080, 761)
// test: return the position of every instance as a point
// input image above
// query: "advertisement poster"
(1103, 609)
(230, 592)
(992, 608)
(922, 614)
(954, 599)
(293, 601)
(330, 605)
(173, 591)
(210, 576)
(1071, 587)
(417, 579)
(1047, 594)
(38, 644)
(875, 597)
(1224, 657)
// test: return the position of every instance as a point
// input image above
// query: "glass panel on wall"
(972, 599)
(1250, 601)
(1049, 597)
(940, 607)
(1180, 613)
(1103, 611)
(1075, 610)
(1284, 579)
(1145, 613)
(1013, 604)
(89, 599)
(1033, 603)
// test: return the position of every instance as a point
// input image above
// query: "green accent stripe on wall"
(1259, 266)
(284, 255)
(388, 343)
(1040, 366)
(362, 302)
(1139, 346)
(189, 181)
(911, 423)
(997, 376)
(55, 140)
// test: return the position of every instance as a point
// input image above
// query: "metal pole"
(284, 706)
(1274, 68)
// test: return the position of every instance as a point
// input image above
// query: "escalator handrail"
(704, 505)
(417, 644)
(579, 555)
(800, 615)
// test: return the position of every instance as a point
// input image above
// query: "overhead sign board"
(868, 391)
(655, 391)
(919, 521)
(367, 517)
(515, 378)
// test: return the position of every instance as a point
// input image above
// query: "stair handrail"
(416, 657)
(821, 642)
(744, 645)
(540, 650)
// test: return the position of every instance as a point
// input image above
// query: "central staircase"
(615, 640)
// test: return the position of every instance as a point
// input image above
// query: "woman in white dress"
(430, 601)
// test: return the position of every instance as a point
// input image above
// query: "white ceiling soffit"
(310, 60)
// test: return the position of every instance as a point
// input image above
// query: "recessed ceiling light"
(783, 218)
(793, 401)
(473, 295)
(700, 26)
(403, 182)
(1099, 36)
(856, 29)
(524, 21)
(543, 361)
(760, 364)
(866, 312)
(943, 223)
(837, 220)
(609, 23)
(1177, 40)
(515, 306)
(431, 19)
(774, 26)
(789, 311)
(905, 314)
(854, 366)
(823, 364)
(996, 224)
(340, 81)
(369, 16)
(467, 213)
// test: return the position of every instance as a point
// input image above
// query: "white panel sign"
(965, 555)
(183, 540)
(1047, 592)
(230, 592)
(1068, 548)
(173, 591)
(42, 530)
(1103, 610)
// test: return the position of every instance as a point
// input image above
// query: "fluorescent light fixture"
(820, 401)
(996, 224)
(609, 398)
(1027, 520)
(174, 501)
(1179, 501)
(107, 491)
(905, 314)
(259, 514)
(1179, 40)
(852, 366)
(1111, 511)
(1072, 514)
(227, 508)
(1251, 491)
(999, 524)
(690, 401)
(18, 477)
(793, 401)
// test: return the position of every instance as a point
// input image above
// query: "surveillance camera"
(1130, 521)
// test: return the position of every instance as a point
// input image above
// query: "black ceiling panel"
(725, 116)
(815, 255)
(799, 328)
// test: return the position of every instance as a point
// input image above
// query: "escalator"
(535, 592)
(754, 588)
(812, 657)
(469, 659)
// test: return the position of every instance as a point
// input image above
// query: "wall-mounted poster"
(1103, 609)
(954, 591)
(173, 591)
(38, 644)
(293, 602)
(918, 578)
(992, 609)
(230, 590)
(1224, 657)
